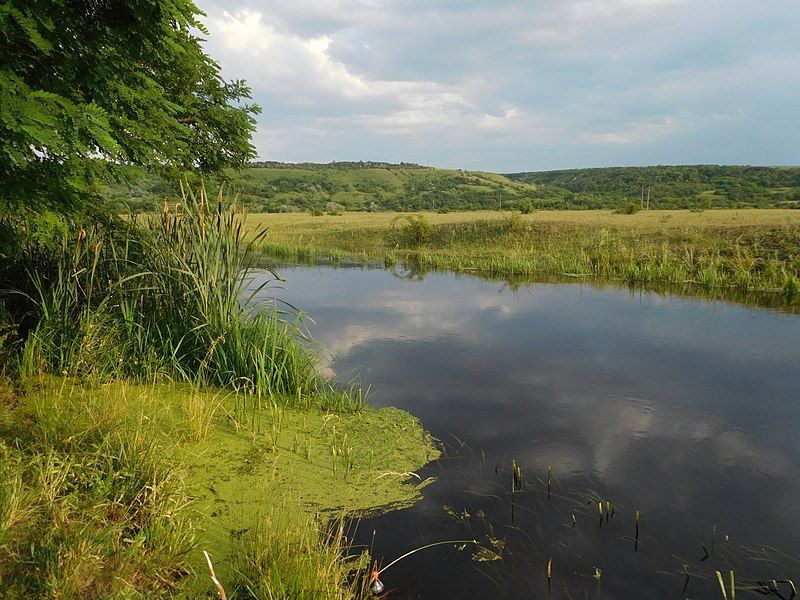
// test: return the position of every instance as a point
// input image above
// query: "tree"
(89, 85)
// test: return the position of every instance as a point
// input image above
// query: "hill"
(691, 186)
(359, 186)
(280, 187)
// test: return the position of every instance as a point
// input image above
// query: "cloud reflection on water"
(682, 408)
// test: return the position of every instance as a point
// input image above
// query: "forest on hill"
(689, 186)
(373, 186)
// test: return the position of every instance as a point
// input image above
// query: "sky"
(515, 85)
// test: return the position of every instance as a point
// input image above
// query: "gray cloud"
(517, 85)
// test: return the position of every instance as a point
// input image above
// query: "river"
(682, 409)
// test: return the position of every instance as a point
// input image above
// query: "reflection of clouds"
(657, 404)
(392, 315)
(657, 399)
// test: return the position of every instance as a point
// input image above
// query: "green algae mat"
(244, 469)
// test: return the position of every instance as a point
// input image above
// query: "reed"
(170, 302)
(549, 480)
(516, 477)
(722, 585)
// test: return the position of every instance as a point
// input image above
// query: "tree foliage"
(371, 186)
(679, 186)
(87, 85)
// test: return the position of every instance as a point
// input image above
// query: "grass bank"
(115, 490)
(150, 413)
(743, 250)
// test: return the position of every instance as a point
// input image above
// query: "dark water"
(685, 410)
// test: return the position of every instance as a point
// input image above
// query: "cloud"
(513, 85)
(635, 132)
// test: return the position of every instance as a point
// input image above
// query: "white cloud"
(536, 83)
(639, 131)
(620, 12)
(285, 62)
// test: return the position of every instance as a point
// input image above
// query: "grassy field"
(744, 250)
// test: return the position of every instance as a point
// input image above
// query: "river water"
(685, 410)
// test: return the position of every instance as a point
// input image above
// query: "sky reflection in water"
(683, 409)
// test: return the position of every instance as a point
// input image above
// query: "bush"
(414, 231)
(333, 208)
(629, 209)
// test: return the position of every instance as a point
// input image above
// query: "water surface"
(683, 409)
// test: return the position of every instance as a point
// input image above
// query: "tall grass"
(305, 562)
(88, 506)
(743, 252)
(167, 302)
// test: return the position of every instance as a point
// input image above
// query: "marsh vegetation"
(151, 411)
(744, 251)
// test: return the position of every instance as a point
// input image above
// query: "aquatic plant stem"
(415, 550)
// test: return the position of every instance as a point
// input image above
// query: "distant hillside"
(272, 186)
(704, 186)
(357, 186)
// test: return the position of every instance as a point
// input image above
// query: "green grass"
(111, 491)
(149, 412)
(300, 562)
(166, 302)
(87, 507)
(717, 252)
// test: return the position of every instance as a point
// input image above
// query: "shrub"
(414, 231)
(629, 209)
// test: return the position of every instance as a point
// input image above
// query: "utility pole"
(641, 202)
(648, 197)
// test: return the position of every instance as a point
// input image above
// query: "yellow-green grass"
(749, 250)
(230, 442)
(293, 228)
(115, 491)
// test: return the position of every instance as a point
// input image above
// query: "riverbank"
(151, 411)
(746, 250)
(118, 488)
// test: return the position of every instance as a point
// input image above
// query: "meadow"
(745, 250)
